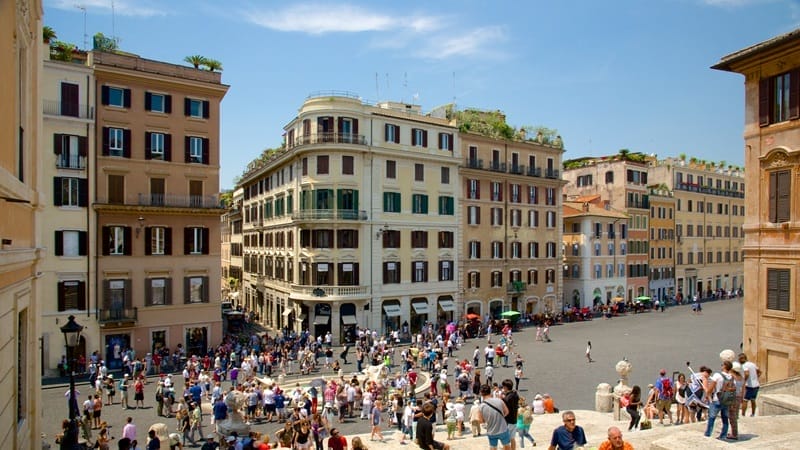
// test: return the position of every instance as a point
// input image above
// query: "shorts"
(438, 445)
(503, 437)
(663, 405)
(750, 393)
(512, 430)
(139, 396)
(96, 414)
(251, 409)
(269, 407)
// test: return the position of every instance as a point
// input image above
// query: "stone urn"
(603, 398)
(235, 421)
(623, 368)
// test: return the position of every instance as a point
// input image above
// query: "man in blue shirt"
(220, 411)
(569, 435)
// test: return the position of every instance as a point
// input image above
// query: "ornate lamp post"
(72, 336)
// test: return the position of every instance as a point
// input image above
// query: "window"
(195, 289)
(70, 191)
(158, 146)
(533, 195)
(778, 289)
(778, 99)
(497, 278)
(419, 239)
(391, 272)
(446, 141)
(419, 172)
(115, 96)
(497, 191)
(497, 216)
(117, 240)
(196, 150)
(533, 276)
(71, 295)
(321, 238)
(780, 183)
(322, 164)
(347, 165)
(419, 204)
(70, 243)
(551, 219)
(516, 218)
(474, 280)
(446, 205)
(158, 103)
(195, 241)
(446, 239)
(420, 272)
(157, 291)
(598, 271)
(609, 177)
(474, 249)
(445, 175)
(497, 250)
(550, 276)
(419, 137)
(71, 151)
(346, 239)
(347, 274)
(533, 218)
(391, 202)
(196, 108)
(551, 197)
(158, 241)
(445, 270)
(516, 250)
(597, 249)
(115, 142)
(514, 193)
(116, 189)
(473, 189)
(533, 249)
(473, 215)
(391, 239)
(391, 169)
(392, 133)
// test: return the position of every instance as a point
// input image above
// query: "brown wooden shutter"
(83, 192)
(168, 104)
(57, 191)
(147, 147)
(339, 125)
(186, 145)
(59, 243)
(126, 98)
(58, 141)
(773, 197)
(60, 290)
(148, 291)
(167, 147)
(764, 95)
(106, 294)
(187, 106)
(83, 243)
(167, 241)
(783, 201)
(355, 126)
(105, 141)
(128, 294)
(187, 240)
(168, 291)
(413, 137)
(83, 146)
(206, 107)
(104, 95)
(206, 151)
(126, 143)
(104, 244)
(128, 241)
(205, 241)
(794, 94)
(148, 101)
(82, 295)
(205, 290)
(424, 138)
(148, 237)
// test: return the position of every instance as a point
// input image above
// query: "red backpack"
(666, 389)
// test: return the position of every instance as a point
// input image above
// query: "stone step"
(778, 404)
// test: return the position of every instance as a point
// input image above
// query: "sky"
(606, 75)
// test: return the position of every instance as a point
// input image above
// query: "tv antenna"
(85, 36)
(113, 22)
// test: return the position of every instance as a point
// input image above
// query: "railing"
(516, 169)
(516, 286)
(639, 204)
(56, 108)
(551, 173)
(330, 291)
(694, 187)
(330, 138)
(118, 315)
(70, 162)
(496, 166)
(182, 201)
(474, 163)
(534, 171)
(321, 214)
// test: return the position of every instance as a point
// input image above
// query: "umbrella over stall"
(510, 314)
(643, 298)
(472, 316)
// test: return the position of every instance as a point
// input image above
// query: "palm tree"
(195, 60)
(682, 156)
(48, 34)
(213, 64)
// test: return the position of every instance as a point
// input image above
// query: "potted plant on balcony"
(195, 60)
(48, 34)
(213, 65)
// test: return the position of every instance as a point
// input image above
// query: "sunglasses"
(569, 420)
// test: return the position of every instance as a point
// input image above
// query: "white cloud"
(140, 8)
(319, 19)
(477, 42)
(731, 3)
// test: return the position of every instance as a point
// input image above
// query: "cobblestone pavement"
(650, 341)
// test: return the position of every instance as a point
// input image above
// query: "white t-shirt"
(751, 369)
(718, 378)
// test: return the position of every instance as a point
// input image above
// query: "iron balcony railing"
(118, 315)
(320, 214)
(551, 173)
(56, 108)
(516, 169)
(474, 163)
(534, 171)
(516, 286)
(181, 201)
(330, 138)
(496, 166)
(70, 162)
(330, 291)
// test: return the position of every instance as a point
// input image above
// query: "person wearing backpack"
(665, 395)
(713, 387)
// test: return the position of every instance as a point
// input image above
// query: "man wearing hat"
(123, 391)
(665, 393)
(210, 443)
(108, 384)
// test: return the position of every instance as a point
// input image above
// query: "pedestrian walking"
(589, 352)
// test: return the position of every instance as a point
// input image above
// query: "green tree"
(61, 51)
(104, 44)
(195, 60)
(48, 34)
(213, 65)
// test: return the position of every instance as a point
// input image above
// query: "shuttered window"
(778, 287)
(779, 196)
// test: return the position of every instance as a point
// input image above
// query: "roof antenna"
(85, 36)
(377, 89)
(113, 22)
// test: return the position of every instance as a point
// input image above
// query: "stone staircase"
(779, 397)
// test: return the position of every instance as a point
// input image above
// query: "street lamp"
(72, 336)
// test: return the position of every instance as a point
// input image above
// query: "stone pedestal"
(603, 398)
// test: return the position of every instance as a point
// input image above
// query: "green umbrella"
(510, 314)
(643, 298)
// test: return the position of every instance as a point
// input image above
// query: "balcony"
(535, 172)
(516, 287)
(516, 169)
(66, 109)
(65, 161)
(497, 166)
(695, 187)
(329, 291)
(117, 317)
(551, 173)
(330, 138)
(645, 204)
(329, 214)
(179, 201)
(474, 163)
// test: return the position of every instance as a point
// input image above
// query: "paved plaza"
(650, 341)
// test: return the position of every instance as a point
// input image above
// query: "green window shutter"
(355, 200)
(424, 204)
(340, 199)
(289, 203)
(386, 201)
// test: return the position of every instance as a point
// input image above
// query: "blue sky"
(607, 75)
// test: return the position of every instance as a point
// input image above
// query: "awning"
(322, 320)
(420, 307)
(391, 310)
(447, 305)
(350, 320)
(287, 311)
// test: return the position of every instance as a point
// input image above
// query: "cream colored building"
(510, 226)
(354, 221)
(772, 221)
(156, 170)
(662, 242)
(231, 231)
(22, 194)
(709, 213)
(594, 266)
(67, 281)
(621, 182)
